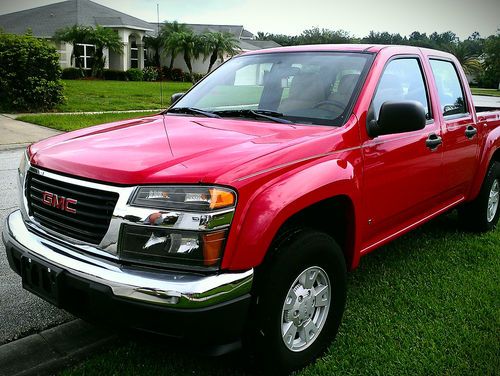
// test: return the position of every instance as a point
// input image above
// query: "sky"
(291, 17)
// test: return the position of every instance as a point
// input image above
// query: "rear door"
(460, 139)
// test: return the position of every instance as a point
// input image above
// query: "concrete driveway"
(16, 134)
(21, 313)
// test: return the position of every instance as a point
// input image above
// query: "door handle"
(470, 132)
(433, 141)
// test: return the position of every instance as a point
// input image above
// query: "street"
(21, 312)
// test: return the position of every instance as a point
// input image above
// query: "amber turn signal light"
(220, 198)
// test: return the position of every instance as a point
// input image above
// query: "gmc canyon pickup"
(236, 213)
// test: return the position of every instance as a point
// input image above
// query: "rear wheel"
(299, 301)
(483, 213)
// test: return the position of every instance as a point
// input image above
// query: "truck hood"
(167, 149)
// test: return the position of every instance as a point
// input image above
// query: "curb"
(52, 349)
(5, 147)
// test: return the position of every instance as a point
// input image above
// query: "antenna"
(158, 35)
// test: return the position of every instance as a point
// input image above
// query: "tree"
(167, 30)
(154, 43)
(74, 34)
(323, 36)
(102, 38)
(467, 58)
(263, 36)
(99, 36)
(491, 77)
(383, 38)
(217, 45)
(187, 43)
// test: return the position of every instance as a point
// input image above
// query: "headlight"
(23, 164)
(191, 198)
(163, 247)
(188, 228)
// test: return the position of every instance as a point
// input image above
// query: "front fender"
(288, 194)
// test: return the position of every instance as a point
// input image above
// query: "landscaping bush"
(116, 75)
(197, 76)
(134, 74)
(29, 74)
(150, 74)
(72, 73)
(178, 75)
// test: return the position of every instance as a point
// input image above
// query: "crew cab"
(233, 216)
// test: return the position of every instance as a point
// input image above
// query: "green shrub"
(116, 75)
(150, 74)
(30, 75)
(134, 74)
(197, 76)
(72, 73)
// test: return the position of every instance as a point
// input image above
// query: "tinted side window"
(402, 80)
(450, 91)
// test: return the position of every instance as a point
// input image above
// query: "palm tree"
(74, 34)
(102, 38)
(263, 36)
(467, 58)
(166, 31)
(187, 43)
(218, 45)
(155, 43)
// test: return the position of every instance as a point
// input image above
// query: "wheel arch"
(340, 224)
(306, 197)
(491, 152)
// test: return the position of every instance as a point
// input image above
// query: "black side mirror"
(397, 117)
(175, 97)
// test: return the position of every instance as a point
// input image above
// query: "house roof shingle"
(45, 20)
(236, 30)
(252, 45)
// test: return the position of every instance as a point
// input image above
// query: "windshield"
(307, 88)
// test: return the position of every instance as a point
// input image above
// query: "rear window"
(449, 87)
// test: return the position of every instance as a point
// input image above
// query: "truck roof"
(371, 48)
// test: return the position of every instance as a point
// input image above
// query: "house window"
(134, 54)
(86, 55)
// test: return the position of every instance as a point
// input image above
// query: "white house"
(45, 20)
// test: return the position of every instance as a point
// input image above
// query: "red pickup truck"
(236, 213)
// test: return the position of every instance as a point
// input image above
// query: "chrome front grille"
(92, 214)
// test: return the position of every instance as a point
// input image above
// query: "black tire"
(293, 255)
(474, 215)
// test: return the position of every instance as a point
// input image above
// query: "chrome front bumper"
(166, 288)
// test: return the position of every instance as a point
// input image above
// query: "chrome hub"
(305, 308)
(493, 200)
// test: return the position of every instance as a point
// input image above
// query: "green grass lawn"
(70, 122)
(491, 92)
(99, 95)
(426, 304)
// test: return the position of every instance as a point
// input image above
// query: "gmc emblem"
(59, 202)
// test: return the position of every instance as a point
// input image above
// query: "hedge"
(30, 75)
(134, 74)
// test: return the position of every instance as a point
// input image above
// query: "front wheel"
(299, 301)
(483, 212)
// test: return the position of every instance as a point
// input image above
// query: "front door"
(402, 172)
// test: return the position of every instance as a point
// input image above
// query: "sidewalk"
(16, 134)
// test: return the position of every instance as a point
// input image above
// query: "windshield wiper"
(264, 114)
(193, 110)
